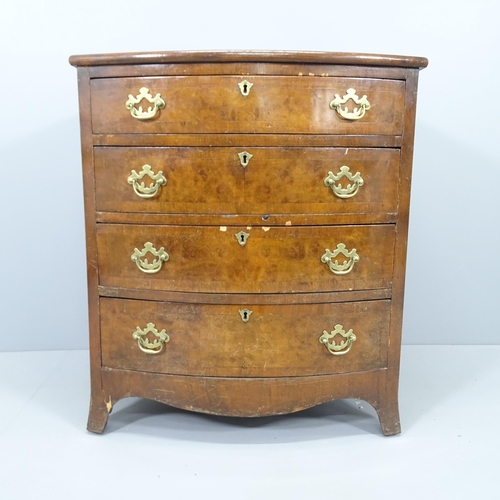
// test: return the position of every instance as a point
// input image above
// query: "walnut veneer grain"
(273, 362)
(212, 340)
(214, 104)
(211, 180)
(274, 260)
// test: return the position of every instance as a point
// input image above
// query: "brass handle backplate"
(141, 189)
(147, 346)
(330, 258)
(143, 264)
(356, 113)
(351, 189)
(156, 101)
(328, 340)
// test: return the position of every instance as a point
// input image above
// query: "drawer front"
(274, 105)
(222, 180)
(236, 259)
(213, 340)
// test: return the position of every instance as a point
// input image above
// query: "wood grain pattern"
(246, 140)
(214, 362)
(390, 392)
(97, 409)
(211, 180)
(277, 260)
(245, 298)
(248, 68)
(248, 397)
(268, 57)
(275, 105)
(212, 340)
(269, 219)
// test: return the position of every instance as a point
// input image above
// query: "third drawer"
(235, 259)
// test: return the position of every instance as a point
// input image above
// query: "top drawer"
(250, 104)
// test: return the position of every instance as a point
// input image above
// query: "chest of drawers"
(246, 224)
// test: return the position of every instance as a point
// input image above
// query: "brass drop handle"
(156, 101)
(140, 188)
(147, 346)
(328, 340)
(143, 264)
(356, 113)
(330, 258)
(351, 189)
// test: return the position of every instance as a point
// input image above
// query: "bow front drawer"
(222, 180)
(214, 340)
(236, 259)
(253, 104)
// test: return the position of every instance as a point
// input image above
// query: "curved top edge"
(345, 58)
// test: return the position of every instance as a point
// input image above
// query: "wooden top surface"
(344, 58)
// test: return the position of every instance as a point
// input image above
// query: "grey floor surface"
(449, 448)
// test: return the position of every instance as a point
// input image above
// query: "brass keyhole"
(242, 238)
(245, 314)
(245, 158)
(245, 87)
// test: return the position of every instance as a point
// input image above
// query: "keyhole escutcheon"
(242, 238)
(245, 314)
(245, 87)
(245, 158)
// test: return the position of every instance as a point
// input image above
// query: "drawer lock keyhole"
(242, 238)
(245, 314)
(245, 158)
(245, 87)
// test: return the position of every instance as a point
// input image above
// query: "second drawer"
(211, 180)
(232, 259)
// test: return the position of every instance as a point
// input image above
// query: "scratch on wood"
(265, 228)
(217, 405)
(202, 395)
(288, 223)
(223, 228)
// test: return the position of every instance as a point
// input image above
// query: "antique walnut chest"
(246, 221)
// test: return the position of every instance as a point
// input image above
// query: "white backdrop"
(454, 247)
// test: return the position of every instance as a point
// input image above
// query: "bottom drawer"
(232, 341)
